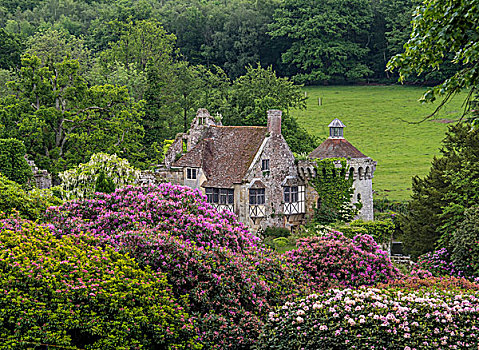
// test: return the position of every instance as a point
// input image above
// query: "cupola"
(336, 129)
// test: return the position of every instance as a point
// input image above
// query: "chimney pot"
(274, 121)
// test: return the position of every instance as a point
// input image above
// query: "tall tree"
(443, 31)
(329, 38)
(441, 197)
(63, 121)
(11, 49)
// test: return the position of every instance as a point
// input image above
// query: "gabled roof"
(336, 148)
(225, 154)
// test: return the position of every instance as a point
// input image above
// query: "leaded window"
(290, 194)
(256, 196)
(220, 195)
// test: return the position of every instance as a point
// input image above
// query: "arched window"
(367, 173)
(359, 197)
(361, 173)
(351, 173)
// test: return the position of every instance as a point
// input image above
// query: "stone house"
(252, 172)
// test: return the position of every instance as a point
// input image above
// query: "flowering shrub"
(232, 281)
(438, 263)
(335, 260)
(79, 182)
(432, 283)
(68, 293)
(177, 210)
(370, 318)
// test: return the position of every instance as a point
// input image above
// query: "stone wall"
(42, 179)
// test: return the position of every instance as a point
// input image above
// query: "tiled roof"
(336, 148)
(225, 154)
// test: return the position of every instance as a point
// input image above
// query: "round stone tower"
(361, 167)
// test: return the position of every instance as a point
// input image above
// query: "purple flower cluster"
(336, 260)
(438, 263)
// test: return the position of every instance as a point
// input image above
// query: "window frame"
(257, 196)
(190, 172)
(265, 164)
(220, 196)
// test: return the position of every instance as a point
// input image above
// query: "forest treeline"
(313, 42)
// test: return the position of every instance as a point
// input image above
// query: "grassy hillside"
(376, 123)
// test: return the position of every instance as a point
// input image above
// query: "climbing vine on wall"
(335, 191)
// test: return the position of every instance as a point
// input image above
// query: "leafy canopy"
(443, 31)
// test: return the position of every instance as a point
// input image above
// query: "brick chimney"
(274, 121)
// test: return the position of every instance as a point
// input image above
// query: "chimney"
(274, 121)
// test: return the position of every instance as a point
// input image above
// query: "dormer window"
(265, 164)
(191, 173)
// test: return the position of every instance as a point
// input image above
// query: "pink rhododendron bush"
(370, 318)
(231, 280)
(334, 260)
(67, 293)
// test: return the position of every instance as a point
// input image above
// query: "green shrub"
(104, 184)
(351, 231)
(13, 164)
(29, 205)
(381, 230)
(68, 293)
(276, 232)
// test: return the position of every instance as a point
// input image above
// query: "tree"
(329, 38)
(443, 31)
(259, 90)
(465, 252)
(11, 50)
(52, 46)
(63, 121)
(440, 199)
(13, 164)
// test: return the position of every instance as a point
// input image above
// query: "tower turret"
(336, 129)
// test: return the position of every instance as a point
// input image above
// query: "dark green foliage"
(334, 190)
(104, 184)
(12, 161)
(440, 198)
(329, 38)
(11, 49)
(63, 121)
(465, 247)
(276, 232)
(443, 31)
(29, 205)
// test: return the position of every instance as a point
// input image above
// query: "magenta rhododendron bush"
(231, 280)
(336, 260)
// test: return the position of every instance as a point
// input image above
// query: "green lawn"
(376, 123)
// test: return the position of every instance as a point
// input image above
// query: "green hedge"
(69, 294)
(12, 161)
(382, 230)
